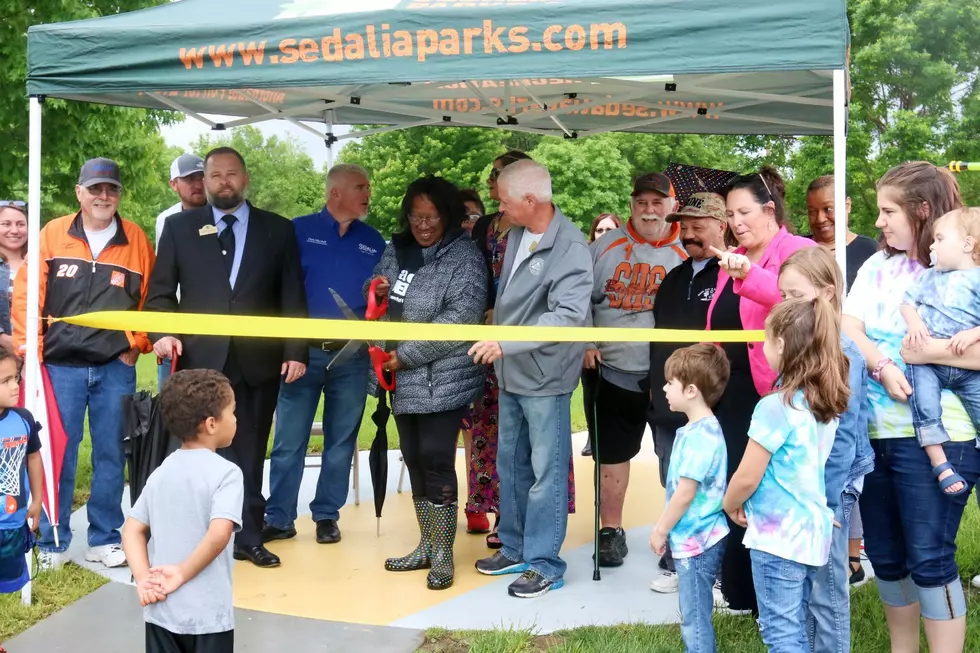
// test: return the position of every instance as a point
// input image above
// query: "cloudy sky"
(185, 133)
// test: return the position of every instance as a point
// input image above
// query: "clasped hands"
(158, 583)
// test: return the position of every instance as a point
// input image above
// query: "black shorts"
(621, 420)
(161, 640)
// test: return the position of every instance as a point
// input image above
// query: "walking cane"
(597, 482)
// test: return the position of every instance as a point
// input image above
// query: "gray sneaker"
(500, 565)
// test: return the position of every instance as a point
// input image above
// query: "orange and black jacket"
(73, 283)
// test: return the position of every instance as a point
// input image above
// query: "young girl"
(808, 274)
(778, 492)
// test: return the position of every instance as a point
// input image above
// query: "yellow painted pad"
(347, 581)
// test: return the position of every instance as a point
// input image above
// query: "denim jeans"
(783, 588)
(344, 389)
(534, 446)
(828, 622)
(163, 372)
(928, 383)
(910, 525)
(696, 579)
(100, 389)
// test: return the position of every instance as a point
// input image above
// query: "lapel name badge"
(207, 230)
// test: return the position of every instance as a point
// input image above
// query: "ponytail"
(813, 360)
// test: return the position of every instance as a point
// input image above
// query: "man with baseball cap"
(682, 303)
(90, 261)
(187, 180)
(629, 265)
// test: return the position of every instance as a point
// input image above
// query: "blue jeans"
(828, 622)
(163, 371)
(910, 526)
(928, 383)
(696, 579)
(782, 588)
(533, 449)
(100, 389)
(344, 390)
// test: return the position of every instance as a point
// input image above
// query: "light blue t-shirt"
(699, 454)
(948, 301)
(788, 514)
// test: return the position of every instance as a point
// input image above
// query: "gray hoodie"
(449, 288)
(552, 287)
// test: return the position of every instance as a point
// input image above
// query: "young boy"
(189, 509)
(694, 520)
(945, 303)
(20, 470)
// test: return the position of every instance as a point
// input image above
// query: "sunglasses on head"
(15, 203)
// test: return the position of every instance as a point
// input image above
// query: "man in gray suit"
(546, 281)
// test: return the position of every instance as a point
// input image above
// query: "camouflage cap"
(701, 205)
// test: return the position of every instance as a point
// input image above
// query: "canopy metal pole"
(33, 270)
(840, 169)
(328, 118)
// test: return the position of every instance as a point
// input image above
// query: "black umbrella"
(145, 439)
(378, 457)
(688, 180)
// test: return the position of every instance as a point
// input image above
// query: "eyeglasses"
(14, 203)
(426, 219)
(108, 189)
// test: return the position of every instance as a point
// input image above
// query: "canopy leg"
(840, 169)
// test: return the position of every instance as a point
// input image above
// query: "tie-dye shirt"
(874, 299)
(788, 514)
(699, 454)
(948, 301)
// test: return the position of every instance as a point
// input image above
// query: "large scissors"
(378, 355)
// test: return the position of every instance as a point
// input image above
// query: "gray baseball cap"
(186, 165)
(99, 171)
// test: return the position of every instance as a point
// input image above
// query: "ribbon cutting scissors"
(378, 355)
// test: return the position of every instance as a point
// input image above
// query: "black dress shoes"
(257, 555)
(270, 533)
(327, 531)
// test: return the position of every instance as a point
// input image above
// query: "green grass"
(52, 591)
(146, 379)
(869, 633)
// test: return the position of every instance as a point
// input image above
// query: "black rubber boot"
(420, 558)
(443, 536)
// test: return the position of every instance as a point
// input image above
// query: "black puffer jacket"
(449, 288)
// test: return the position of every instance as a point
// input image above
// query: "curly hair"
(189, 397)
(813, 360)
(441, 192)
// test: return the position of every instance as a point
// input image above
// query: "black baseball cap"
(653, 182)
(99, 171)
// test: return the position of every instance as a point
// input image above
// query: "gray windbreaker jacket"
(552, 287)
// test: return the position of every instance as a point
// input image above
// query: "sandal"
(493, 540)
(857, 575)
(950, 480)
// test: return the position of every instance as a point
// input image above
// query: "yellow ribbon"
(313, 329)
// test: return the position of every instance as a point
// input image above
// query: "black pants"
(428, 443)
(160, 640)
(590, 384)
(254, 408)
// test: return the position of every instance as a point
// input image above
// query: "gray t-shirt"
(183, 495)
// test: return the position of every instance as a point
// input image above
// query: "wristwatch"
(884, 362)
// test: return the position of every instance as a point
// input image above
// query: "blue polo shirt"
(330, 260)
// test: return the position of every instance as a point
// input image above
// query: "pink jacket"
(760, 292)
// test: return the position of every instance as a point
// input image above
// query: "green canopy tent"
(577, 67)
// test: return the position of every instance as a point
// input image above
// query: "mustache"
(691, 241)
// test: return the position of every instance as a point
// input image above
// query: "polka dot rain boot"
(443, 536)
(420, 557)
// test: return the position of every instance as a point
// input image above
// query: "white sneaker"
(976, 582)
(50, 560)
(665, 583)
(110, 555)
(719, 598)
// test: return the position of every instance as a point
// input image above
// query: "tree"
(75, 131)
(282, 177)
(397, 158)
